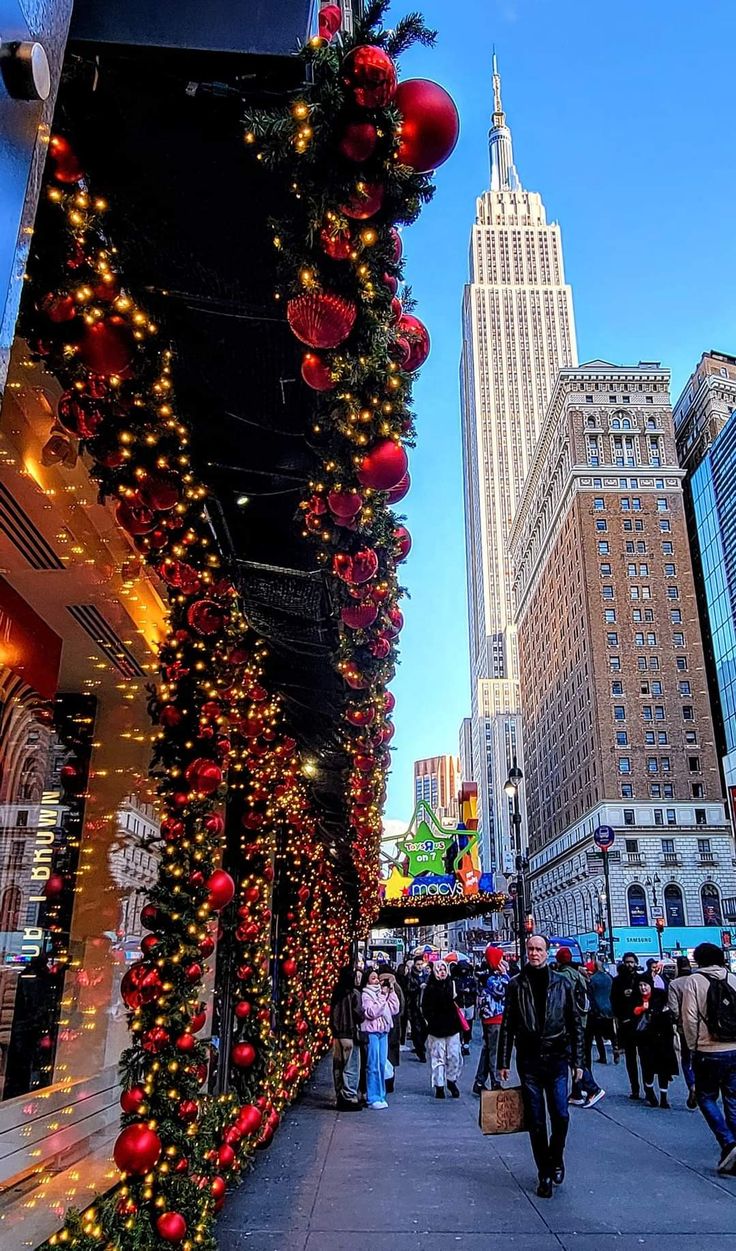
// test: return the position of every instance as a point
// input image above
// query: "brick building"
(618, 727)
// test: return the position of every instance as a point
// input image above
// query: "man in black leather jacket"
(542, 1021)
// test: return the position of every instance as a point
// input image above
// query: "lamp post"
(511, 788)
(653, 883)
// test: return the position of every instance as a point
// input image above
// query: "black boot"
(453, 1089)
(650, 1096)
(439, 1092)
(544, 1189)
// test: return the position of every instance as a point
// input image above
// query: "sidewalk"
(420, 1177)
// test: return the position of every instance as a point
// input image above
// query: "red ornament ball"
(171, 1226)
(140, 985)
(370, 75)
(289, 966)
(243, 1009)
(134, 516)
(225, 1156)
(243, 1055)
(186, 1043)
(250, 1118)
(359, 616)
(397, 493)
(321, 319)
(384, 466)
(107, 347)
(66, 165)
(155, 1039)
(365, 566)
(417, 336)
(336, 244)
(430, 124)
(205, 617)
(59, 307)
(137, 1149)
(188, 1110)
(402, 539)
(345, 504)
(358, 141)
(365, 201)
(221, 889)
(132, 1100)
(160, 491)
(316, 372)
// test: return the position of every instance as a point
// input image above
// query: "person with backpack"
(674, 1001)
(709, 1025)
(585, 1090)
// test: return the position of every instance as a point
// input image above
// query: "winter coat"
(599, 994)
(694, 1010)
(346, 1015)
(378, 1010)
(579, 985)
(655, 1035)
(439, 1008)
(466, 987)
(626, 995)
(492, 998)
(561, 1036)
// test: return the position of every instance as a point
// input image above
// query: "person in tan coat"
(708, 1019)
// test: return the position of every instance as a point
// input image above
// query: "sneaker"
(728, 1158)
(578, 1101)
(692, 1100)
(478, 1089)
(592, 1100)
(558, 1175)
(380, 1103)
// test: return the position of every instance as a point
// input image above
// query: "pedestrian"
(655, 1040)
(709, 1024)
(466, 994)
(625, 997)
(674, 1001)
(417, 982)
(442, 1019)
(402, 977)
(491, 1002)
(654, 973)
(600, 1025)
(346, 1015)
(542, 1021)
(379, 1006)
(585, 1091)
(388, 978)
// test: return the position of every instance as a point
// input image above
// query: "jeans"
(375, 1079)
(487, 1066)
(545, 1081)
(686, 1063)
(346, 1068)
(715, 1074)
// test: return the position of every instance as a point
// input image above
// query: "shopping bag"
(388, 1071)
(501, 1111)
(461, 1017)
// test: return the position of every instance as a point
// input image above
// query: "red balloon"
(171, 1226)
(330, 20)
(370, 75)
(321, 320)
(316, 373)
(221, 889)
(131, 1100)
(137, 1149)
(357, 142)
(430, 124)
(345, 504)
(107, 347)
(243, 1055)
(359, 616)
(398, 492)
(337, 244)
(384, 466)
(417, 336)
(402, 539)
(365, 201)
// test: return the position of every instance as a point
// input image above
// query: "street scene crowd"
(540, 1024)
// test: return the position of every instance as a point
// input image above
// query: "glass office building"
(713, 499)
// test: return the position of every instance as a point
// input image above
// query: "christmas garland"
(355, 146)
(218, 729)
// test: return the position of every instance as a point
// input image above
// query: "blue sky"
(622, 114)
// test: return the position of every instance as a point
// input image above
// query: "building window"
(659, 712)
(678, 639)
(681, 662)
(637, 902)
(711, 904)
(614, 663)
(687, 712)
(698, 790)
(649, 738)
(601, 525)
(669, 570)
(693, 764)
(652, 764)
(704, 848)
(658, 816)
(622, 738)
(684, 688)
(598, 504)
(617, 688)
(655, 790)
(665, 764)
(631, 846)
(671, 816)
(627, 790)
(651, 639)
(624, 764)
(664, 525)
(668, 846)
(603, 547)
(605, 570)
(629, 816)
(675, 616)
(667, 548)
(612, 638)
(607, 593)
(662, 506)
(674, 908)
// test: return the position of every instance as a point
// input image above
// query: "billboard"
(434, 862)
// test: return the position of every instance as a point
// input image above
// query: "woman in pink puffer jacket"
(379, 1008)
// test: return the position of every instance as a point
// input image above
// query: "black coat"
(561, 1037)
(626, 995)
(438, 1008)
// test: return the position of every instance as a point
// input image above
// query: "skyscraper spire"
(503, 171)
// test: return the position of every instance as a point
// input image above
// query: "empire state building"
(518, 331)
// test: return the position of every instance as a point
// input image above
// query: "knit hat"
(564, 956)
(494, 956)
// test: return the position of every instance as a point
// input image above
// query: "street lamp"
(653, 883)
(511, 788)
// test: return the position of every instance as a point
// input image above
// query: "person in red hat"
(491, 1003)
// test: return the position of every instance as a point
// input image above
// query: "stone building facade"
(617, 726)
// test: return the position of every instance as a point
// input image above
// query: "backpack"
(720, 1008)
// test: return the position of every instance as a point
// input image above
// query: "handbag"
(461, 1017)
(501, 1111)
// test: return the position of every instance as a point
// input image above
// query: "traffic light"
(600, 929)
(660, 923)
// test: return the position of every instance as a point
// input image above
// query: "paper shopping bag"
(501, 1111)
